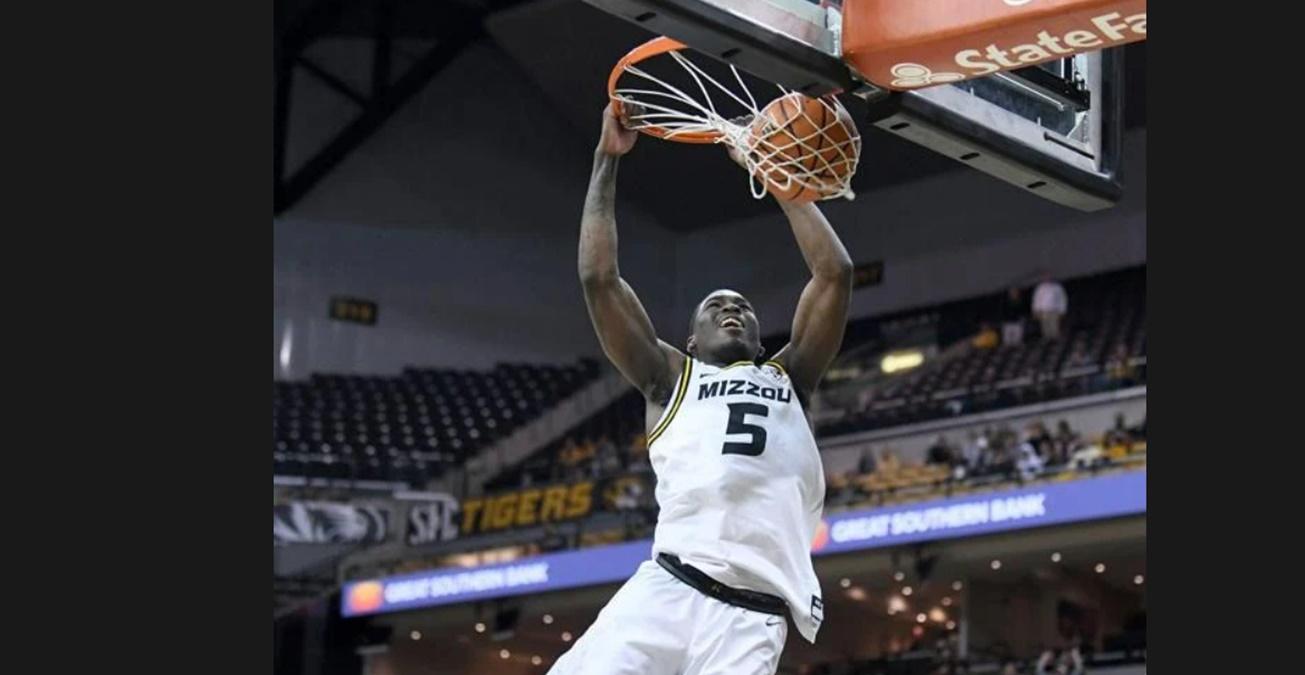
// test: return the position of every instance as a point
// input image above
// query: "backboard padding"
(1056, 136)
(784, 46)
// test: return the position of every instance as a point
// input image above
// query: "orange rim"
(647, 50)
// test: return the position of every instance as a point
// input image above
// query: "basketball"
(804, 149)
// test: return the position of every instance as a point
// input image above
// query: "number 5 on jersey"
(738, 425)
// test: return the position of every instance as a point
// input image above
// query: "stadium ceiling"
(582, 43)
(445, 27)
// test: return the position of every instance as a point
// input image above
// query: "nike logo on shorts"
(773, 621)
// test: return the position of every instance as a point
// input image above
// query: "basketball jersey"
(740, 484)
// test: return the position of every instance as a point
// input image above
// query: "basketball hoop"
(699, 124)
(815, 163)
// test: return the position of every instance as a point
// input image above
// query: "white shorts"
(659, 625)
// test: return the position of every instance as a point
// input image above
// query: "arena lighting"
(996, 564)
(1101, 567)
(937, 615)
(921, 618)
(416, 635)
(503, 653)
(480, 628)
(947, 601)
(1055, 557)
(899, 361)
(1138, 580)
(566, 636)
(845, 582)
(898, 576)
(548, 618)
(956, 586)
(907, 590)
(535, 660)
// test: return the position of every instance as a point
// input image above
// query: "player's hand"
(617, 138)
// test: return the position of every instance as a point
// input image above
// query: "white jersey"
(740, 484)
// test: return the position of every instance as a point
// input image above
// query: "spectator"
(840, 488)
(986, 440)
(1119, 368)
(986, 338)
(1012, 318)
(1066, 442)
(627, 495)
(639, 453)
(1078, 356)
(1138, 430)
(1049, 306)
(1041, 439)
(1027, 460)
(867, 464)
(939, 453)
(607, 457)
(972, 452)
(570, 453)
(1118, 434)
(1001, 458)
(888, 461)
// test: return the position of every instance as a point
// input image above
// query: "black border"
(1224, 220)
(155, 549)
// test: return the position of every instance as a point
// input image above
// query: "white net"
(783, 147)
(797, 153)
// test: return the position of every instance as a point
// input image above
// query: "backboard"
(1028, 91)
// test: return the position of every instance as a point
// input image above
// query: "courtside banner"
(1050, 504)
(1040, 506)
(551, 572)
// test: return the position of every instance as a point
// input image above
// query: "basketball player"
(739, 479)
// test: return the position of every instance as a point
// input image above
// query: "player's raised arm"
(821, 315)
(624, 329)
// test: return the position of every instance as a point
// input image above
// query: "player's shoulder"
(774, 370)
(674, 366)
(777, 372)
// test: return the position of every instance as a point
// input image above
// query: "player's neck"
(723, 361)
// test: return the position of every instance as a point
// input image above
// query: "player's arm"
(623, 327)
(821, 315)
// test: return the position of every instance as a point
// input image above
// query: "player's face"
(725, 329)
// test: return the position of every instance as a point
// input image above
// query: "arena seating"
(620, 422)
(1106, 323)
(410, 427)
(1107, 312)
